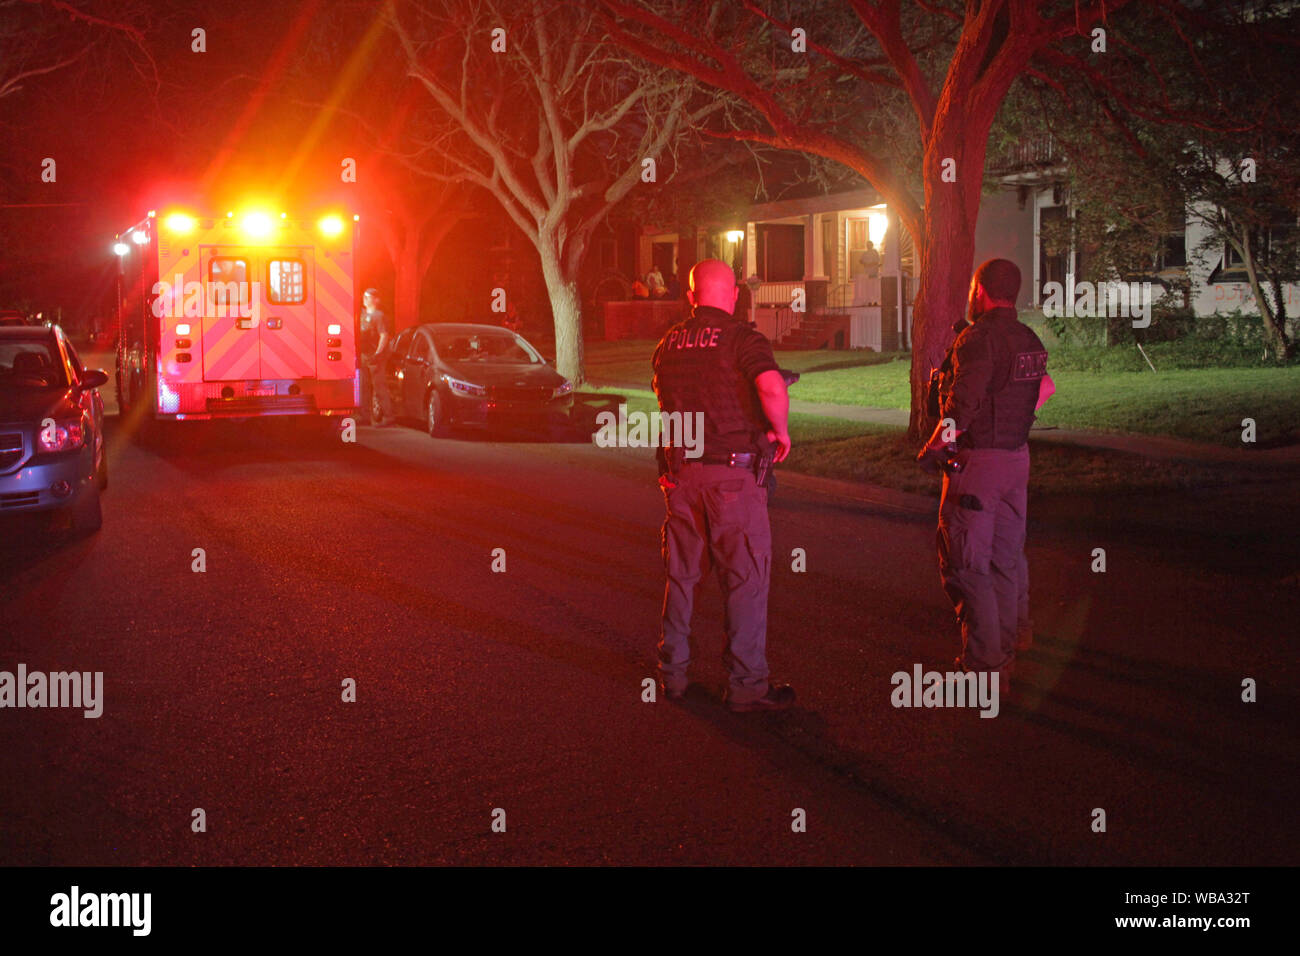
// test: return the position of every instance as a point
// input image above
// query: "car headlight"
(464, 388)
(564, 389)
(64, 435)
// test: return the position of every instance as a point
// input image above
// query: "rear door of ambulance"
(288, 336)
(231, 340)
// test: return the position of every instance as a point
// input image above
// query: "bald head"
(713, 284)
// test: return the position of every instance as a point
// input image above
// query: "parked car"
(449, 375)
(12, 317)
(51, 427)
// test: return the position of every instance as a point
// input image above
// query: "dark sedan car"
(51, 427)
(447, 375)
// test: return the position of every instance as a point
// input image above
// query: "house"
(810, 282)
(807, 277)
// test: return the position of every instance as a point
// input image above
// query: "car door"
(416, 369)
(392, 370)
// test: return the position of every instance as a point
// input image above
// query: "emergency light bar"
(255, 225)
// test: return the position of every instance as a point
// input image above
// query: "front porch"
(828, 272)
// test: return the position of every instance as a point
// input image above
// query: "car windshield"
(498, 347)
(30, 364)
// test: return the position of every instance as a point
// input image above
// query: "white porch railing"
(777, 293)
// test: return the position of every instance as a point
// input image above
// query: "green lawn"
(1206, 404)
(884, 456)
(1195, 404)
(881, 455)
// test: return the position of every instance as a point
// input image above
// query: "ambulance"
(245, 314)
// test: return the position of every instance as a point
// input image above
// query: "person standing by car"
(374, 349)
(723, 373)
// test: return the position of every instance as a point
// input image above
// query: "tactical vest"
(1019, 364)
(696, 371)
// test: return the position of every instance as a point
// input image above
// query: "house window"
(780, 252)
(1265, 244)
(859, 235)
(1172, 253)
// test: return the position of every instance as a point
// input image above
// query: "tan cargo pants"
(718, 515)
(982, 552)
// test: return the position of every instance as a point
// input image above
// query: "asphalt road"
(522, 690)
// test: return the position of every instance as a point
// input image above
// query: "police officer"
(988, 392)
(374, 348)
(716, 365)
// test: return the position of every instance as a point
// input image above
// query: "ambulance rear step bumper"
(263, 405)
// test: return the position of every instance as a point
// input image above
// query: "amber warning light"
(180, 223)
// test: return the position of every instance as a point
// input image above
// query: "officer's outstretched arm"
(775, 398)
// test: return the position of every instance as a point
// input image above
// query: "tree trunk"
(1274, 331)
(943, 284)
(408, 279)
(566, 307)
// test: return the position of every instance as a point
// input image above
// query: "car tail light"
(63, 435)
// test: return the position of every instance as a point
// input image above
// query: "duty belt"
(738, 459)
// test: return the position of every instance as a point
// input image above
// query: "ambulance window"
(228, 270)
(286, 285)
(222, 272)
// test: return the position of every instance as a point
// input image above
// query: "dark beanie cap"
(1000, 279)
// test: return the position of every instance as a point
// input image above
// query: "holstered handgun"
(932, 394)
(763, 464)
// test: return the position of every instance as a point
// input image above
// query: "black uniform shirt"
(373, 325)
(991, 389)
(708, 364)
